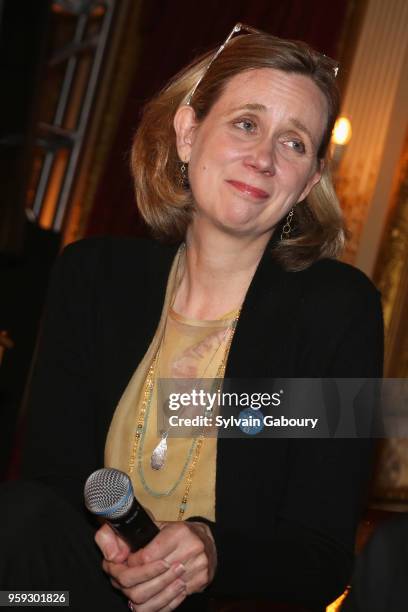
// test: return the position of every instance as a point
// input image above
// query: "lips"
(250, 190)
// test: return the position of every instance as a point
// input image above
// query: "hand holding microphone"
(179, 561)
(109, 494)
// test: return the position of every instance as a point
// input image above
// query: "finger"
(195, 566)
(144, 592)
(175, 603)
(112, 546)
(197, 575)
(124, 551)
(128, 577)
(106, 540)
(174, 543)
(159, 601)
(136, 558)
(162, 545)
(189, 548)
(106, 569)
(198, 582)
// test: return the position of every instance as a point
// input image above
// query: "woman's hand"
(179, 561)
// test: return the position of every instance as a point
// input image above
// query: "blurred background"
(75, 75)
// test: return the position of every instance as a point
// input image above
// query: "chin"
(235, 228)
(239, 217)
(244, 222)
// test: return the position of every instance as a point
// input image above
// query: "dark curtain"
(26, 251)
(173, 33)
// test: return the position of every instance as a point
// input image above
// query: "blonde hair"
(163, 200)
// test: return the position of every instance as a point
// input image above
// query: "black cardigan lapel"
(268, 313)
(262, 347)
(132, 301)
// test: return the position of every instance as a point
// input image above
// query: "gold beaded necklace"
(194, 454)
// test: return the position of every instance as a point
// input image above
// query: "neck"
(218, 271)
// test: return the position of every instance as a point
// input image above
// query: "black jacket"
(286, 510)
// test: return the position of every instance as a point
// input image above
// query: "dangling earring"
(287, 228)
(183, 178)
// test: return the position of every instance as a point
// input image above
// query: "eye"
(297, 145)
(247, 125)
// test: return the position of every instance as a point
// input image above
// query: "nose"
(261, 158)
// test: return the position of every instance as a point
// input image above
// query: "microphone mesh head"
(108, 493)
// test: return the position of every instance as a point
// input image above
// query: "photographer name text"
(203, 421)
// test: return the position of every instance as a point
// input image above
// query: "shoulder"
(337, 275)
(338, 285)
(340, 316)
(102, 269)
(105, 284)
(112, 256)
(111, 249)
(339, 300)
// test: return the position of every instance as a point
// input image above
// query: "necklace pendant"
(158, 458)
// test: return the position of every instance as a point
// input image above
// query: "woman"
(229, 159)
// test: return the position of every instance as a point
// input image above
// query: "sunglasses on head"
(239, 29)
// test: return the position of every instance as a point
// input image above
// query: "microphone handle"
(136, 527)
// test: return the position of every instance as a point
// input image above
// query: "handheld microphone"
(109, 494)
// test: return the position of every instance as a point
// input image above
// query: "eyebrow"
(253, 107)
(301, 126)
(260, 107)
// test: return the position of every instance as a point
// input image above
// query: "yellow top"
(186, 348)
(190, 349)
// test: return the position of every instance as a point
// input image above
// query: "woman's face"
(254, 156)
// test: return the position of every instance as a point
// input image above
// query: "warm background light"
(336, 605)
(342, 131)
